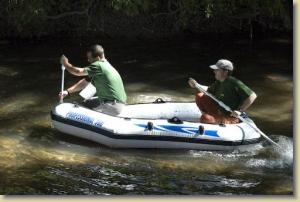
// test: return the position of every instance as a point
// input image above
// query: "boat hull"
(128, 132)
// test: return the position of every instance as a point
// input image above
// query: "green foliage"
(34, 18)
(133, 7)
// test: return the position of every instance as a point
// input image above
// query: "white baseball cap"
(222, 64)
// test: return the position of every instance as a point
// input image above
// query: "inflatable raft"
(167, 125)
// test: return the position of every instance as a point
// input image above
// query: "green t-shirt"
(232, 92)
(107, 80)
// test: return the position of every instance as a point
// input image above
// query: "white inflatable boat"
(160, 124)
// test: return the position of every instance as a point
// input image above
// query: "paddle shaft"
(62, 82)
(198, 86)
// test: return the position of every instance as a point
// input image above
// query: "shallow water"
(35, 159)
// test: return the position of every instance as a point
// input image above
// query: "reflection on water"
(35, 159)
(66, 168)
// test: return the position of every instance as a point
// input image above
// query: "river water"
(36, 159)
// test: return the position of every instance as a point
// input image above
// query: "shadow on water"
(35, 159)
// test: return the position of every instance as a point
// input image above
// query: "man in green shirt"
(107, 81)
(231, 91)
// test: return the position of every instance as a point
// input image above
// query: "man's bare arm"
(72, 69)
(193, 83)
(78, 86)
(248, 102)
(245, 105)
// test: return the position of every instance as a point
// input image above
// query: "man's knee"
(199, 98)
(206, 118)
(199, 95)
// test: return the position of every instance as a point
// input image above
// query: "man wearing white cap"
(231, 91)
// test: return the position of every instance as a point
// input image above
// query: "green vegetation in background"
(37, 18)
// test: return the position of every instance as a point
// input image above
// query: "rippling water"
(35, 159)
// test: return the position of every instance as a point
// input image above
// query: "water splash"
(286, 155)
(260, 156)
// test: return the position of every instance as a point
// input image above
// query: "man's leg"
(206, 104)
(230, 120)
(209, 108)
(113, 109)
(91, 103)
(207, 118)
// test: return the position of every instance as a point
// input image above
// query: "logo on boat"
(85, 119)
(98, 123)
(181, 129)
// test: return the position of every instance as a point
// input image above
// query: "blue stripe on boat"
(181, 129)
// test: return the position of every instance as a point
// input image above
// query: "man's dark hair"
(96, 50)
